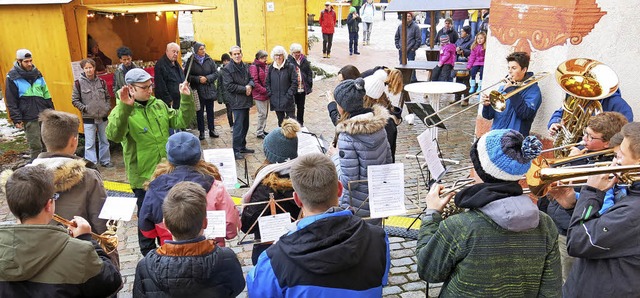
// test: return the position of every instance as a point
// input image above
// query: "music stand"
(424, 112)
(245, 183)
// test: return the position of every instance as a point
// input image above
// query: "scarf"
(478, 195)
(275, 64)
(200, 59)
(30, 75)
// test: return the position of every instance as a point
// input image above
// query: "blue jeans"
(240, 129)
(475, 70)
(474, 29)
(457, 25)
(353, 42)
(90, 143)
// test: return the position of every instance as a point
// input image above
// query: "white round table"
(434, 90)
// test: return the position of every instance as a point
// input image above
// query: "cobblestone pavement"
(454, 143)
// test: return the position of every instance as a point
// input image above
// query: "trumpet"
(497, 99)
(107, 240)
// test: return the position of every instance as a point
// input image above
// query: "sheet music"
(429, 149)
(226, 162)
(216, 224)
(307, 144)
(386, 190)
(118, 208)
(272, 227)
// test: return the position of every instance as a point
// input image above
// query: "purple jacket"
(476, 58)
(258, 71)
(448, 54)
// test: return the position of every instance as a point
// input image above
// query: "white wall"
(614, 41)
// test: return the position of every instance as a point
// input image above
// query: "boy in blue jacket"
(331, 252)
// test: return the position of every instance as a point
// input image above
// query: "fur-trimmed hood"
(278, 181)
(68, 171)
(366, 123)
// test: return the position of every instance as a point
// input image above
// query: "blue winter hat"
(183, 148)
(504, 155)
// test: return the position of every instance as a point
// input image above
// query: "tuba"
(586, 81)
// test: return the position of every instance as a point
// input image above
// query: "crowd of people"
(573, 243)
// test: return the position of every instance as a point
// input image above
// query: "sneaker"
(324, 55)
(328, 55)
(238, 156)
(107, 165)
(201, 136)
(357, 53)
(464, 103)
(265, 132)
(350, 54)
(247, 150)
(260, 136)
(213, 134)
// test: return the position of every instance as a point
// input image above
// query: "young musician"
(559, 202)
(40, 260)
(503, 246)
(606, 245)
(521, 108)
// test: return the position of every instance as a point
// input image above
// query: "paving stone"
(391, 290)
(397, 279)
(399, 270)
(402, 262)
(414, 286)
(413, 294)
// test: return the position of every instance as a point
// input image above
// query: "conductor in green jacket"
(141, 123)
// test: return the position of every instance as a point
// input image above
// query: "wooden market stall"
(56, 33)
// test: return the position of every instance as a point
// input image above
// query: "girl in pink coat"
(476, 61)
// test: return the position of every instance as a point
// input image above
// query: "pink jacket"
(219, 199)
(448, 55)
(258, 71)
(476, 58)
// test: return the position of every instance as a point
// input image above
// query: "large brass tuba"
(586, 81)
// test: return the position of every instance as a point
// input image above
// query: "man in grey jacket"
(239, 84)
(414, 38)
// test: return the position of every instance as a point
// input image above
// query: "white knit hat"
(374, 84)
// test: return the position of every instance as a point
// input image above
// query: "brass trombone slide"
(627, 174)
(108, 241)
(497, 99)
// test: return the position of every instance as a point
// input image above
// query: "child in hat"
(503, 235)
(184, 163)
(442, 72)
(280, 148)
(362, 142)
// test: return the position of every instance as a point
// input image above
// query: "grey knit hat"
(183, 148)
(349, 95)
(196, 46)
(281, 144)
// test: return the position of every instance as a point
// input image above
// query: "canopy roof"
(435, 5)
(148, 7)
(25, 2)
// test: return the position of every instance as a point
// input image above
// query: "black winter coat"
(235, 78)
(282, 85)
(207, 69)
(168, 78)
(305, 72)
(214, 274)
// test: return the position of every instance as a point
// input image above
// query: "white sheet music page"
(429, 149)
(225, 161)
(274, 226)
(118, 208)
(386, 190)
(216, 224)
(307, 144)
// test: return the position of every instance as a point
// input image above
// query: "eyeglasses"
(55, 196)
(144, 87)
(589, 137)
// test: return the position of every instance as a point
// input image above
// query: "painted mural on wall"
(542, 24)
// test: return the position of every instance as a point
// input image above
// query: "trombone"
(497, 99)
(540, 185)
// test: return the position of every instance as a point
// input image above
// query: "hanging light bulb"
(136, 20)
(122, 14)
(157, 18)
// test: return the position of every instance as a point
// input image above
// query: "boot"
(479, 85)
(201, 137)
(213, 134)
(472, 86)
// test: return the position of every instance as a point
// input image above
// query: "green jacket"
(475, 257)
(144, 131)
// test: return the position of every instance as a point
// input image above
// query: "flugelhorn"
(539, 187)
(107, 240)
(497, 99)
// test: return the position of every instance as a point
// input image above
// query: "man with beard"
(27, 95)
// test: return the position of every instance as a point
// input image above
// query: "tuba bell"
(586, 81)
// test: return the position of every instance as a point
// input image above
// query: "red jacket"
(258, 71)
(328, 21)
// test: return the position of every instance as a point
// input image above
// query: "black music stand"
(426, 113)
(245, 183)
